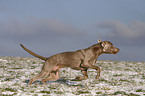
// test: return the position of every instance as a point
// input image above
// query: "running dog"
(79, 60)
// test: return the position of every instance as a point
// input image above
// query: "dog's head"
(108, 47)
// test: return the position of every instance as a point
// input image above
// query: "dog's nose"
(116, 50)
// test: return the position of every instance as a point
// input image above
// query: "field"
(117, 78)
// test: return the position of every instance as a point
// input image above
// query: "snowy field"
(117, 78)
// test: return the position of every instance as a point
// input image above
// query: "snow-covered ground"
(117, 78)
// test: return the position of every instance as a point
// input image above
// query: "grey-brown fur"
(78, 60)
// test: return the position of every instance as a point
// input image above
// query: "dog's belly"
(78, 68)
(76, 65)
(70, 59)
(72, 64)
(72, 67)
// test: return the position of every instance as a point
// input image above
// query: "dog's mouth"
(111, 52)
(114, 52)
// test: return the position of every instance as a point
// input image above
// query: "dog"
(79, 60)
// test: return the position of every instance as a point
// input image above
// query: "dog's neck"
(96, 49)
(92, 53)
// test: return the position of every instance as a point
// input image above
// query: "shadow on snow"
(61, 81)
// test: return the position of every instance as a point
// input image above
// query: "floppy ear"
(106, 46)
(99, 41)
(103, 44)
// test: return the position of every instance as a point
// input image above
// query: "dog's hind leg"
(54, 75)
(84, 72)
(42, 74)
(47, 68)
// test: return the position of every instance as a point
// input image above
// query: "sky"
(48, 27)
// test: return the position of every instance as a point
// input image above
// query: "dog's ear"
(106, 46)
(99, 41)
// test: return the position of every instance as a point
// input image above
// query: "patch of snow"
(3, 60)
(8, 93)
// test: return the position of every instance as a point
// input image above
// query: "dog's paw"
(78, 78)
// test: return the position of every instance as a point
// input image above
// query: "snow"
(3, 60)
(117, 78)
(7, 93)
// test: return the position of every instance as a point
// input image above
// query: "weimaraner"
(79, 60)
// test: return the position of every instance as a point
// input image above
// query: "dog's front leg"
(84, 72)
(87, 65)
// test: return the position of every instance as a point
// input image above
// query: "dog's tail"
(34, 54)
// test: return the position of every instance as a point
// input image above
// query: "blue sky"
(48, 27)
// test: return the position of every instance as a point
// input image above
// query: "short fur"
(78, 60)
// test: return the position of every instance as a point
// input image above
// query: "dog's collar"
(101, 44)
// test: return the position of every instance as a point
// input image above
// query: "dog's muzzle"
(115, 50)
